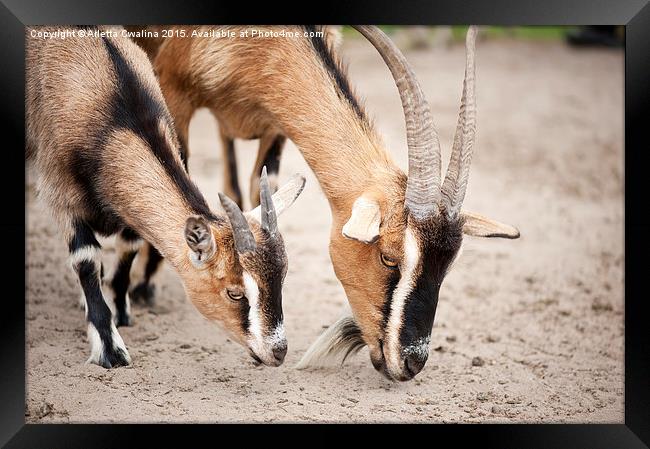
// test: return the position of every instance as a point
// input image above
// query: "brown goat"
(393, 236)
(107, 155)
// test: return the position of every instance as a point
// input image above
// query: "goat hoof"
(107, 352)
(123, 319)
(144, 293)
(114, 358)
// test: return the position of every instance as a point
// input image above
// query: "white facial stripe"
(261, 345)
(400, 294)
(85, 253)
(254, 318)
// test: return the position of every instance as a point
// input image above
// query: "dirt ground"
(543, 315)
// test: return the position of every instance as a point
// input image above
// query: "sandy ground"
(544, 313)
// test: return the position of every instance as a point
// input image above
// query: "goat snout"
(413, 364)
(280, 351)
(270, 354)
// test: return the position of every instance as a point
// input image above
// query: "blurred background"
(425, 37)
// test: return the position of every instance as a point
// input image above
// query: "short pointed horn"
(455, 184)
(241, 232)
(268, 219)
(423, 186)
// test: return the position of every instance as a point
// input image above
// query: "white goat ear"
(363, 224)
(283, 198)
(199, 238)
(480, 226)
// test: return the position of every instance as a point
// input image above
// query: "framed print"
(434, 217)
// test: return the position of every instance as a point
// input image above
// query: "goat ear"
(283, 198)
(364, 221)
(199, 238)
(480, 226)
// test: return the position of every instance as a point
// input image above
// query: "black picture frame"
(634, 14)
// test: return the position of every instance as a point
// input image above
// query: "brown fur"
(69, 84)
(269, 86)
(232, 78)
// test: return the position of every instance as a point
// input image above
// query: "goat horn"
(423, 185)
(241, 232)
(455, 184)
(268, 219)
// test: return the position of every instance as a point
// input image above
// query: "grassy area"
(527, 32)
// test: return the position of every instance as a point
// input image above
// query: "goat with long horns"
(417, 230)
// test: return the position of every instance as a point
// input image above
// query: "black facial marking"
(391, 284)
(272, 157)
(336, 72)
(440, 241)
(244, 308)
(269, 264)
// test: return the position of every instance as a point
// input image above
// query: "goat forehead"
(437, 235)
(268, 262)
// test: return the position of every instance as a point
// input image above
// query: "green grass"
(528, 33)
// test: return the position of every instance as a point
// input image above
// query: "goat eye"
(235, 296)
(390, 263)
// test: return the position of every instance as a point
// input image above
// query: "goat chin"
(340, 340)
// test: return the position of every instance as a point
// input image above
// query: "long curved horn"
(268, 218)
(241, 232)
(455, 184)
(423, 186)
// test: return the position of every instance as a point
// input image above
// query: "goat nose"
(414, 363)
(280, 351)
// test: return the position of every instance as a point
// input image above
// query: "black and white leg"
(107, 348)
(127, 244)
(146, 266)
(82, 297)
